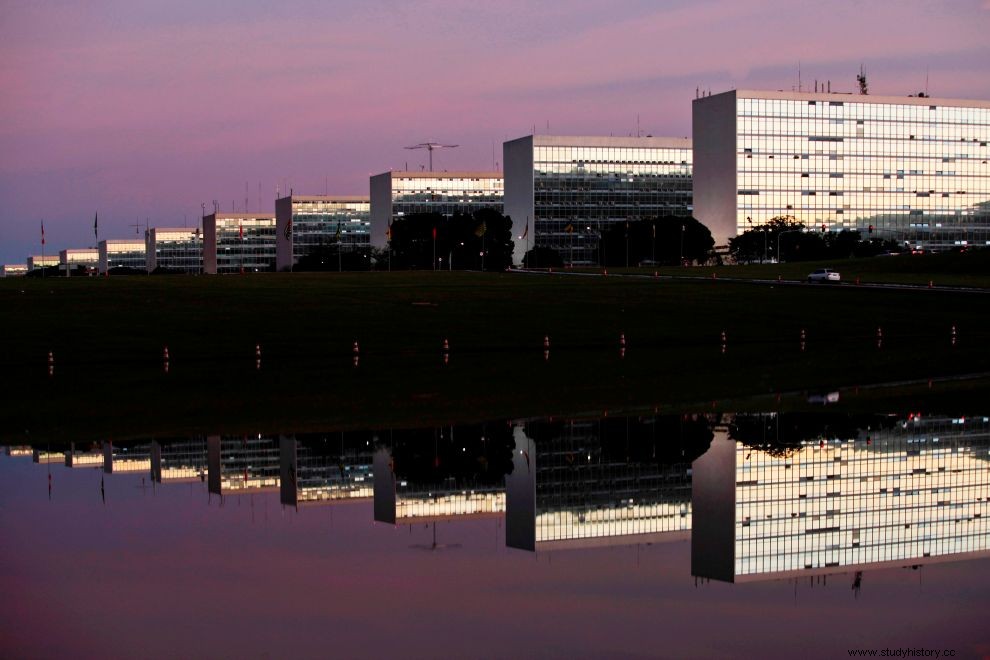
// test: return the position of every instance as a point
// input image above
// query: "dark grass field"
(108, 335)
(970, 269)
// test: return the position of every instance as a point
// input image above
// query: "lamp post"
(789, 231)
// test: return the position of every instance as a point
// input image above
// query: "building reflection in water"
(126, 457)
(446, 473)
(893, 493)
(179, 460)
(247, 464)
(612, 481)
(325, 468)
(79, 457)
(761, 496)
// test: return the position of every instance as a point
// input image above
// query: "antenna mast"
(430, 146)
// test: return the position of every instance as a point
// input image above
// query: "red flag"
(434, 233)
(241, 228)
(526, 231)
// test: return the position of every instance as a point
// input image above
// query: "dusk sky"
(146, 110)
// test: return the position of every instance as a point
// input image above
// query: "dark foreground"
(108, 338)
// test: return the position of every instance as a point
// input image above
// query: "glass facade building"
(178, 460)
(123, 253)
(39, 261)
(72, 259)
(308, 223)
(901, 496)
(238, 242)
(564, 192)
(398, 194)
(174, 249)
(915, 168)
(13, 270)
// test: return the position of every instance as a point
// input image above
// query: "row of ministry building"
(914, 169)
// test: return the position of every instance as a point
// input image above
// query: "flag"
(288, 230)
(337, 234)
(96, 224)
(526, 231)
(434, 233)
(42, 232)
(480, 231)
(388, 232)
(654, 229)
(569, 229)
(240, 228)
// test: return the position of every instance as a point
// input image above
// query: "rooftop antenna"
(799, 76)
(861, 79)
(430, 146)
(926, 81)
(246, 195)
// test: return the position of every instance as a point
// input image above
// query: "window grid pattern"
(919, 490)
(318, 225)
(580, 494)
(917, 173)
(580, 192)
(446, 196)
(254, 251)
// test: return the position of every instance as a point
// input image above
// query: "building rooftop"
(452, 174)
(123, 241)
(326, 198)
(261, 215)
(849, 97)
(609, 141)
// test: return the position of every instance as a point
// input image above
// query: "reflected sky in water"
(170, 569)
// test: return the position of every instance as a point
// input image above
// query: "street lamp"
(779, 234)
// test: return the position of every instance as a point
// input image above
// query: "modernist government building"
(911, 169)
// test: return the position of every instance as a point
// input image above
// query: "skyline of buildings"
(238, 243)
(914, 169)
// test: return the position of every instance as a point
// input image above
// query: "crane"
(430, 146)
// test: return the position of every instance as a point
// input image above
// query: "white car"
(824, 275)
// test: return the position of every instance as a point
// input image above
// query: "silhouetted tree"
(482, 239)
(542, 257)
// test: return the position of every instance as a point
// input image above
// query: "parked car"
(824, 275)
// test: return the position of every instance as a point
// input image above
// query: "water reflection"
(315, 469)
(759, 496)
(897, 492)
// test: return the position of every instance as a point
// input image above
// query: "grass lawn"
(971, 269)
(108, 336)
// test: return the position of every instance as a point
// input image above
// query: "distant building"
(14, 270)
(122, 253)
(397, 194)
(306, 224)
(904, 496)
(72, 259)
(569, 190)
(46, 261)
(238, 242)
(913, 168)
(176, 249)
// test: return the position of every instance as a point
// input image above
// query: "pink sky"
(146, 110)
